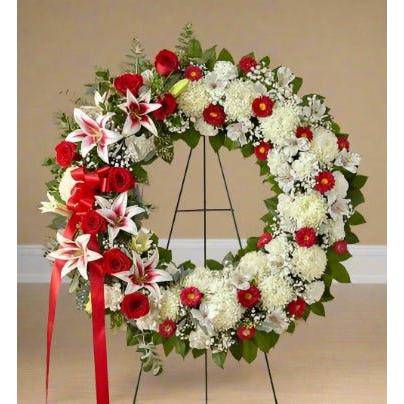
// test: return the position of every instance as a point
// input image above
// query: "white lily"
(118, 214)
(75, 253)
(348, 160)
(93, 133)
(204, 315)
(54, 206)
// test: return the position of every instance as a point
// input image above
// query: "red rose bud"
(168, 107)
(135, 305)
(245, 333)
(297, 307)
(250, 297)
(128, 81)
(247, 63)
(167, 328)
(265, 238)
(120, 179)
(325, 181)
(262, 106)
(261, 151)
(304, 132)
(343, 142)
(166, 62)
(193, 73)
(306, 237)
(93, 223)
(191, 297)
(65, 153)
(214, 115)
(340, 247)
(115, 261)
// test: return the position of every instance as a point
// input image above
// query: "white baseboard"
(367, 265)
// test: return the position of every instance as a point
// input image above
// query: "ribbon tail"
(96, 278)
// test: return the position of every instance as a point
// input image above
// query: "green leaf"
(231, 144)
(225, 56)
(217, 141)
(356, 219)
(339, 273)
(351, 238)
(157, 338)
(164, 147)
(249, 351)
(191, 138)
(214, 265)
(131, 336)
(219, 358)
(271, 203)
(266, 60)
(196, 353)
(296, 84)
(194, 49)
(291, 328)
(169, 344)
(140, 174)
(252, 243)
(58, 222)
(181, 347)
(187, 265)
(333, 256)
(209, 57)
(359, 181)
(318, 308)
(247, 150)
(327, 296)
(237, 351)
(356, 197)
(265, 341)
(165, 256)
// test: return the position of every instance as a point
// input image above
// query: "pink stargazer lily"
(75, 253)
(93, 133)
(118, 214)
(144, 275)
(138, 110)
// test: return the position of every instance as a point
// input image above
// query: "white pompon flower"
(324, 145)
(278, 163)
(169, 304)
(201, 278)
(66, 184)
(205, 129)
(309, 263)
(305, 166)
(199, 340)
(225, 70)
(113, 296)
(151, 320)
(313, 292)
(278, 251)
(308, 210)
(276, 291)
(251, 264)
(194, 99)
(276, 320)
(348, 160)
(54, 206)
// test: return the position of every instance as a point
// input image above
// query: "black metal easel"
(205, 210)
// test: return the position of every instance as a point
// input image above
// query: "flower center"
(248, 296)
(262, 149)
(213, 114)
(191, 296)
(262, 106)
(324, 181)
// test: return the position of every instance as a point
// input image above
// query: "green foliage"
(318, 308)
(132, 337)
(116, 320)
(194, 49)
(247, 150)
(196, 353)
(165, 255)
(58, 222)
(137, 61)
(237, 350)
(296, 84)
(164, 147)
(217, 141)
(249, 351)
(291, 327)
(339, 273)
(356, 197)
(169, 344)
(225, 56)
(266, 60)
(265, 341)
(191, 137)
(209, 57)
(181, 347)
(219, 358)
(214, 265)
(140, 174)
(184, 41)
(356, 219)
(359, 181)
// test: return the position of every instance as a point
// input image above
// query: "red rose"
(304, 132)
(168, 107)
(247, 63)
(193, 73)
(245, 333)
(340, 247)
(324, 182)
(93, 223)
(65, 153)
(135, 305)
(262, 106)
(297, 307)
(191, 297)
(306, 237)
(167, 328)
(214, 115)
(128, 81)
(261, 151)
(116, 261)
(166, 62)
(250, 297)
(120, 179)
(343, 142)
(265, 238)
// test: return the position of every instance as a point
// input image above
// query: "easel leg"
(270, 378)
(138, 383)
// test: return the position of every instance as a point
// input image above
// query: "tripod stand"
(205, 210)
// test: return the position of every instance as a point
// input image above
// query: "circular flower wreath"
(244, 303)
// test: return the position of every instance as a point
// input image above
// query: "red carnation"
(120, 179)
(191, 296)
(93, 223)
(343, 142)
(167, 328)
(304, 132)
(166, 62)
(306, 237)
(297, 307)
(65, 153)
(116, 261)
(261, 151)
(128, 81)
(250, 297)
(340, 247)
(193, 73)
(245, 333)
(262, 106)
(247, 63)
(324, 182)
(265, 238)
(135, 305)
(168, 107)
(214, 115)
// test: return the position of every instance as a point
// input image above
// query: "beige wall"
(338, 47)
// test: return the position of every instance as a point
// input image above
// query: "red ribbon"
(95, 180)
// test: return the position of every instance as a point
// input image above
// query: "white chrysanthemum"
(278, 164)
(324, 145)
(279, 128)
(276, 291)
(203, 279)
(239, 97)
(253, 263)
(113, 296)
(309, 263)
(276, 320)
(205, 129)
(284, 204)
(225, 70)
(198, 339)
(304, 166)
(169, 303)
(194, 99)
(309, 210)
(278, 250)
(66, 184)
(313, 292)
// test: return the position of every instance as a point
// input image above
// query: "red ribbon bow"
(94, 180)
